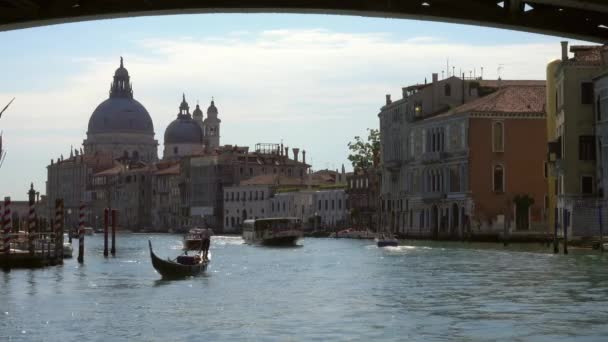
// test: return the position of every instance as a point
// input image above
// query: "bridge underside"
(581, 19)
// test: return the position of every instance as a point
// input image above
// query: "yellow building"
(574, 141)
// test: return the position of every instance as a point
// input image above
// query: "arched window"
(135, 155)
(499, 178)
(175, 150)
(498, 136)
(447, 90)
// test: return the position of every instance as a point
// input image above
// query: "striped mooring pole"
(32, 229)
(8, 226)
(59, 230)
(81, 234)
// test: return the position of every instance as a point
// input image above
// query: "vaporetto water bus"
(278, 231)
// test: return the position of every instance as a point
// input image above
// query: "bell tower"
(212, 127)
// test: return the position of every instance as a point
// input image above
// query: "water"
(339, 290)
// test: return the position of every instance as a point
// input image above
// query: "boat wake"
(226, 240)
(399, 249)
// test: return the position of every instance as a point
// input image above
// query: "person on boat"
(206, 242)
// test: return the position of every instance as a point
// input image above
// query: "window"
(545, 169)
(586, 147)
(339, 204)
(251, 171)
(175, 150)
(499, 178)
(587, 184)
(326, 205)
(447, 90)
(319, 206)
(498, 136)
(333, 204)
(587, 93)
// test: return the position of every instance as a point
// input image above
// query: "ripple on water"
(326, 290)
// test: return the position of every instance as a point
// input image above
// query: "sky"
(310, 81)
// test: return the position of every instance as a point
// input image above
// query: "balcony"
(432, 196)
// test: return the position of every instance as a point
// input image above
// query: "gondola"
(183, 266)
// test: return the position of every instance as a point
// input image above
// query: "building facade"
(574, 147)
(438, 164)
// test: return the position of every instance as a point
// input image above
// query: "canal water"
(325, 290)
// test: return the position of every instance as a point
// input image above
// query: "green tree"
(363, 152)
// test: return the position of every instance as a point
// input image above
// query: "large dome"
(184, 130)
(121, 114)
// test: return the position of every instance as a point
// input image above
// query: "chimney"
(304, 156)
(296, 151)
(286, 152)
(403, 92)
(435, 77)
(564, 51)
(388, 99)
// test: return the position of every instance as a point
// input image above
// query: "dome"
(197, 113)
(183, 130)
(120, 114)
(212, 110)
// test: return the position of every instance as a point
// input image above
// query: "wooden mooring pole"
(565, 225)
(81, 233)
(105, 231)
(59, 230)
(555, 239)
(599, 214)
(114, 222)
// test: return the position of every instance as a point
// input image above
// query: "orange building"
(478, 168)
(506, 159)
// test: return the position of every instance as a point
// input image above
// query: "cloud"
(268, 85)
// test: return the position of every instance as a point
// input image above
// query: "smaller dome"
(197, 112)
(121, 71)
(212, 110)
(184, 130)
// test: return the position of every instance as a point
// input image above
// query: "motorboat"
(280, 231)
(68, 250)
(387, 241)
(193, 240)
(182, 266)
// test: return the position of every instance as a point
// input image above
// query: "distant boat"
(89, 231)
(182, 266)
(280, 231)
(193, 240)
(67, 250)
(387, 242)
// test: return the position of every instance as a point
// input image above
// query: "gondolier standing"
(205, 244)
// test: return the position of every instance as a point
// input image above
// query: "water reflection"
(325, 289)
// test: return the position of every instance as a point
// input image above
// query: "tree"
(363, 152)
